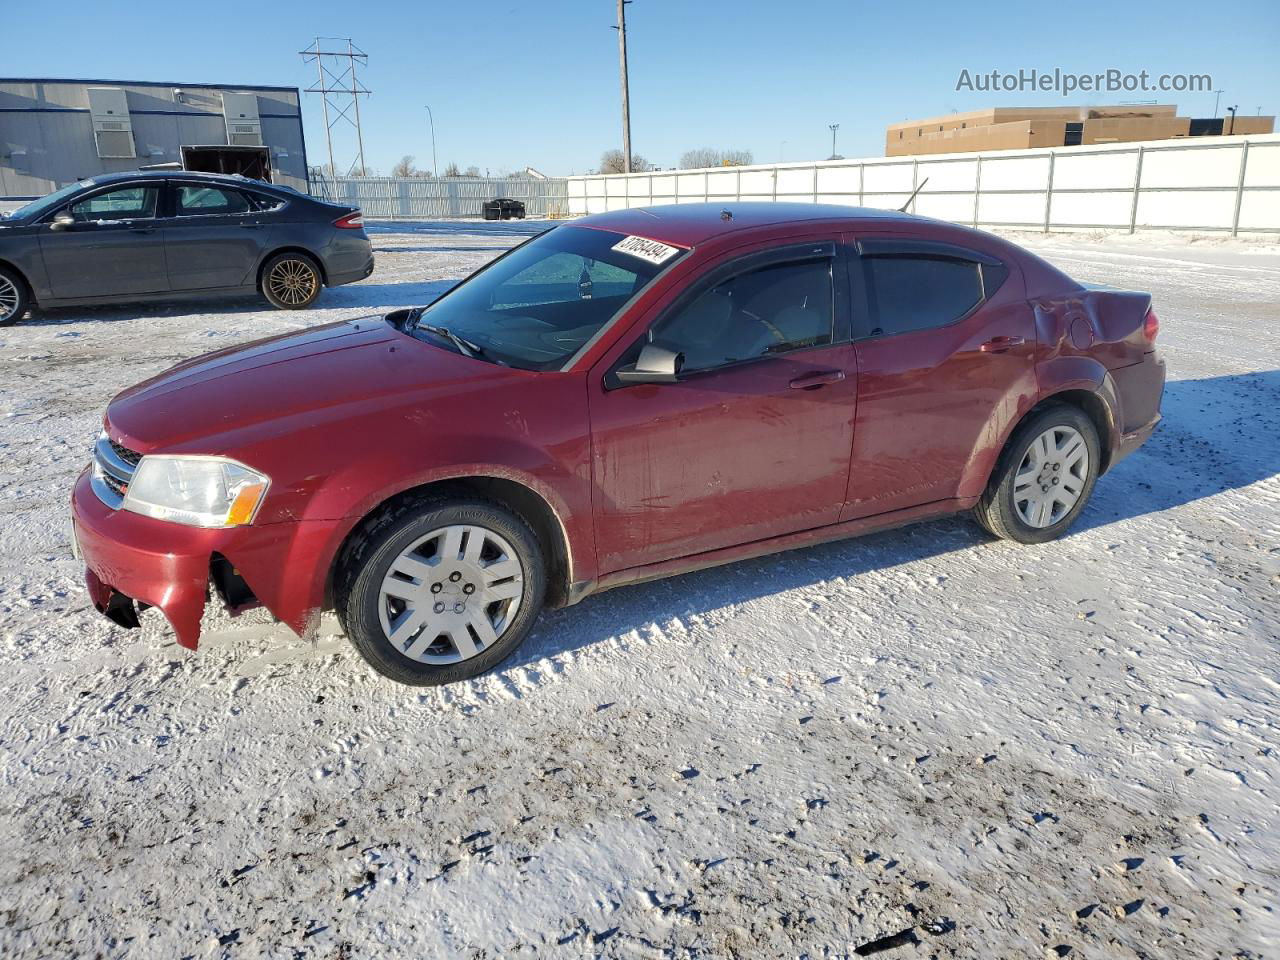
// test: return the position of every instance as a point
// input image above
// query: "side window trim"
(866, 248)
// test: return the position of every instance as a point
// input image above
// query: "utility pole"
(1217, 96)
(435, 167)
(626, 97)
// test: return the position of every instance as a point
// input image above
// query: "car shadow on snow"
(365, 297)
(1218, 434)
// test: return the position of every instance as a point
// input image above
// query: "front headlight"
(198, 491)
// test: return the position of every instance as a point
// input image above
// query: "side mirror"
(61, 220)
(654, 365)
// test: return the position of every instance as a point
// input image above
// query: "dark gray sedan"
(162, 235)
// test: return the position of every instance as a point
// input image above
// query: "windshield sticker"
(645, 249)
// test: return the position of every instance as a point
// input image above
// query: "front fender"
(291, 575)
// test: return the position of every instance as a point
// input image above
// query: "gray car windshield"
(45, 204)
(536, 306)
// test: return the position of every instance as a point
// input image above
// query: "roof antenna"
(903, 208)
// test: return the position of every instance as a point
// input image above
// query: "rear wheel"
(439, 591)
(1044, 477)
(291, 281)
(13, 298)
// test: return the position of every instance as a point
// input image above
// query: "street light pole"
(1217, 96)
(435, 166)
(626, 97)
(834, 127)
(1233, 110)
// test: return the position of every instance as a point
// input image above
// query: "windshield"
(536, 306)
(37, 208)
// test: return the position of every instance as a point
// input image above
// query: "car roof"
(230, 178)
(688, 224)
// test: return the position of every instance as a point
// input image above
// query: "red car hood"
(362, 363)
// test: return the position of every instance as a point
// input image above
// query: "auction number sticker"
(646, 249)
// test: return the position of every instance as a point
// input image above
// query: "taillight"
(352, 221)
(1151, 326)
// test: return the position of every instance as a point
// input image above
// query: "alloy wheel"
(9, 299)
(451, 595)
(292, 281)
(1051, 476)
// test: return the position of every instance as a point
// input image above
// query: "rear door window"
(909, 290)
(194, 201)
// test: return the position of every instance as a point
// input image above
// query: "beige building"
(1018, 128)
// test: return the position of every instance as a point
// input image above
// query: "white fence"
(1206, 184)
(432, 198)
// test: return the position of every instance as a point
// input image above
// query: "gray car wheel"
(1043, 478)
(437, 591)
(13, 298)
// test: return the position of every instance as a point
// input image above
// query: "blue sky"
(516, 84)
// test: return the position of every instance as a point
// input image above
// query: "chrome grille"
(124, 453)
(113, 466)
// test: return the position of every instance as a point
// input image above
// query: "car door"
(753, 439)
(214, 236)
(945, 344)
(111, 248)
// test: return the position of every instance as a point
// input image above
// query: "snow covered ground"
(1070, 750)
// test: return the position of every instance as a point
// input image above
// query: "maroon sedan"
(627, 397)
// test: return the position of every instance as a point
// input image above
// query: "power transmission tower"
(340, 91)
(626, 97)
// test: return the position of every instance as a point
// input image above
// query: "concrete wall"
(1229, 184)
(46, 131)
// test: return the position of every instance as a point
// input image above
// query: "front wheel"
(1044, 477)
(13, 298)
(291, 281)
(439, 591)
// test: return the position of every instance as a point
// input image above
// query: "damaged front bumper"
(133, 562)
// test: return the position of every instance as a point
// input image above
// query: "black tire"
(998, 511)
(291, 281)
(14, 298)
(369, 556)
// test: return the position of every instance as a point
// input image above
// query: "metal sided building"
(54, 132)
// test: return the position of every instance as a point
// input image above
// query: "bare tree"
(611, 162)
(711, 157)
(452, 170)
(404, 167)
(473, 172)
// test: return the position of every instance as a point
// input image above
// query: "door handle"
(250, 226)
(1001, 344)
(142, 229)
(811, 381)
